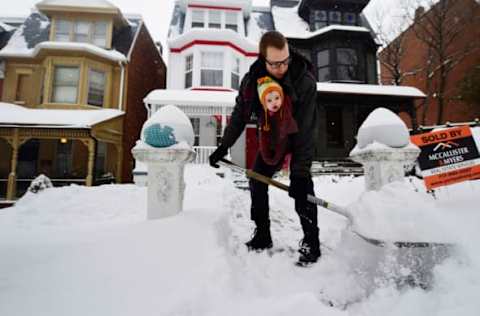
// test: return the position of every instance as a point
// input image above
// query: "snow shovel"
(326, 205)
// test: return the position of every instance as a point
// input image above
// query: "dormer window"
(81, 31)
(231, 22)
(214, 19)
(322, 18)
(198, 18)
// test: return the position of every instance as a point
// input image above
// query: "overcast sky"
(157, 13)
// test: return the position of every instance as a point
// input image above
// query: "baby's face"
(273, 101)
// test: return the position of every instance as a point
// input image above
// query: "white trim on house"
(369, 89)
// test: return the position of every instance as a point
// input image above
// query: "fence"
(203, 152)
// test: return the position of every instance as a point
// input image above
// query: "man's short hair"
(271, 39)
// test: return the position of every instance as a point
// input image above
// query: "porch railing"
(202, 153)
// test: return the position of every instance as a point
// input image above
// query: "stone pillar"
(91, 162)
(384, 165)
(166, 185)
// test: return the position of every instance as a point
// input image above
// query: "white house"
(211, 45)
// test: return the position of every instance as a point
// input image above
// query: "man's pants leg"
(259, 211)
(308, 219)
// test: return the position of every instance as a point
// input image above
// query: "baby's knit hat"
(265, 85)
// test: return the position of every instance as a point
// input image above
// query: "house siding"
(145, 72)
(455, 110)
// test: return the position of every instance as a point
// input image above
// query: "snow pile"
(172, 121)
(399, 213)
(40, 183)
(384, 127)
(89, 251)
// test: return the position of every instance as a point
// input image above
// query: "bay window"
(65, 84)
(211, 72)
(347, 62)
(323, 65)
(188, 71)
(235, 73)
(96, 87)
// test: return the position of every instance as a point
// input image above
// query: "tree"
(439, 29)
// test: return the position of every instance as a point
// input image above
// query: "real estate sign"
(447, 156)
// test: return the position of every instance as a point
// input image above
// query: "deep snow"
(89, 251)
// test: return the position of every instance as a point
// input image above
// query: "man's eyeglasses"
(277, 64)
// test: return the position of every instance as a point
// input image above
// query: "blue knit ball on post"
(157, 136)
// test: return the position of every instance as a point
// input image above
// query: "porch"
(68, 146)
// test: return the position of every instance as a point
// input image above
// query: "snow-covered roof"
(33, 36)
(369, 89)
(15, 115)
(222, 35)
(289, 23)
(191, 97)
(260, 21)
(244, 5)
(78, 6)
(5, 27)
(12, 51)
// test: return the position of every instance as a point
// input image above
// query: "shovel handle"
(310, 198)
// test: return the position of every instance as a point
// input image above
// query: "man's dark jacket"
(298, 83)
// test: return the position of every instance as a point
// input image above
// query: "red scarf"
(274, 135)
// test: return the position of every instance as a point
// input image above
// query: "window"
(81, 32)
(62, 30)
(100, 161)
(100, 34)
(214, 19)
(335, 17)
(65, 84)
(236, 73)
(96, 87)
(196, 129)
(323, 65)
(231, 21)
(23, 87)
(63, 161)
(198, 18)
(319, 19)
(211, 73)
(347, 64)
(188, 71)
(349, 18)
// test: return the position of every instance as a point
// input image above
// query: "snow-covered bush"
(40, 183)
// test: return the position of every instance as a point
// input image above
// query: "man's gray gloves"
(218, 154)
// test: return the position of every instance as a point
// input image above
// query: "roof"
(191, 97)
(369, 89)
(15, 115)
(260, 21)
(78, 6)
(36, 28)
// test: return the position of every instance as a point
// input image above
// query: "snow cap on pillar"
(384, 127)
(166, 127)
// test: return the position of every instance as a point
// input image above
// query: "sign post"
(447, 156)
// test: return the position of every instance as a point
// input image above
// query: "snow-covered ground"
(89, 251)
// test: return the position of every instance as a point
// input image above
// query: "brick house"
(463, 53)
(72, 104)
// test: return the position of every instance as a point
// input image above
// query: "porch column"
(91, 161)
(118, 175)
(12, 177)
